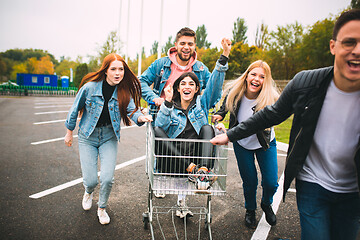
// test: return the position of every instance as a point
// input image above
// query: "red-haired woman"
(104, 98)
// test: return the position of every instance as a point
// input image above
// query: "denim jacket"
(159, 72)
(90, 99)
(173, 120)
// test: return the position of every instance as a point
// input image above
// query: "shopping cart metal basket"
(195, 167)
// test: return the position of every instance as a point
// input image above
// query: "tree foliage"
(208, 56)
(111, 45)
(242, 55)
(167, 45)
(355, 4)
(288, 49)
(80, 71)
(63, 69)
(262, 35)
(314, 51)
(154, 48)
(201, 34)
(284, 50)
(32, 65)
(239, 31)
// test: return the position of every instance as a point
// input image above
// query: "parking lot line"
(41, 113)
(62, 138)
(79, 180)
(263, 228)
(52, 106)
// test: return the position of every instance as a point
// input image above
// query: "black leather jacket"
(263, 136)
(303, 97)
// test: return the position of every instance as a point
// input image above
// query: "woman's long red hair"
(128, 87)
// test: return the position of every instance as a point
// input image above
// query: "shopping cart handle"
(151, 103)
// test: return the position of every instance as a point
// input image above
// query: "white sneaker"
(103, 216)
(183, 210)
(159, 195)
(87, 201)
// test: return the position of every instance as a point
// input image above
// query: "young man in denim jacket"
(164, 71)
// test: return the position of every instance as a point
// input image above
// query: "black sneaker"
(250, 220)
(269, 214)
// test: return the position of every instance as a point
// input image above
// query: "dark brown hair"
(185, 32)
(345, 17)
(128, 87)
(176, 94)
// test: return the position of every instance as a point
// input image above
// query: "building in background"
(38, 80)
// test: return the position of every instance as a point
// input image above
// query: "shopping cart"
(195, 167)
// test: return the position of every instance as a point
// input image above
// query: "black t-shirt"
(107, 92)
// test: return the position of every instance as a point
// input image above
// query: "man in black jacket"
(324, 145)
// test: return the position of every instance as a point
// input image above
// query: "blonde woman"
(251, 92)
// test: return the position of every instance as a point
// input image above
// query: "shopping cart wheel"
(207, 222)
(146, 220)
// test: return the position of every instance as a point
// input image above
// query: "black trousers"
(199, 153)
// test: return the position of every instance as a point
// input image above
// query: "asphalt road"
(34, 159)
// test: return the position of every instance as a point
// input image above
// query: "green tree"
(63, 69)
(242, 55)
(208, 56)
(262, 36)
(80, 71)
(154, 48)
(110, 46)
(314, 50)
(239, 31)
(22, 55)
(355, 4)
(283, 52)
(201, 35)
(167, 45)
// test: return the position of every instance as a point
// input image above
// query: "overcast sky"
(74, 28)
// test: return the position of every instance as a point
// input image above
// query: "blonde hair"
(237, 88)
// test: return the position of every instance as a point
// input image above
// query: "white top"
(330, 162)
(246, 111)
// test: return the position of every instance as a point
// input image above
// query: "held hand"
(168, 93)
(68, 138)
(221, 139)
(226, 45)
(216, 117)
(144, 118)
(158, 101)
(221, 127)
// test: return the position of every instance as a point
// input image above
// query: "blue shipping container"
(40, 80)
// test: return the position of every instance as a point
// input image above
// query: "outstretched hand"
(226, 45)
(221, 139)
(144, 118)
(168, 93)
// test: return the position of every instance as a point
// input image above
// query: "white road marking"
(52, 106)
(62, 138)
(263, 228)
(41, 113)
(53, 121)
(47, 103)
(79, 180)
(51, 140)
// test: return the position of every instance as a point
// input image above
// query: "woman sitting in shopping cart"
(184, 114)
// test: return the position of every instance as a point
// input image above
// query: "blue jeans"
(101, 143)
(267, 160)
(325, 215)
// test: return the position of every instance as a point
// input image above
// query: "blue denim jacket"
(90, 99)
(173, 120)
(159, 72)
